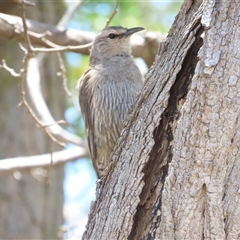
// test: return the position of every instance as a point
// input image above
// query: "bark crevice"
(157, 167)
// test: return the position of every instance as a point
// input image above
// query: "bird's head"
(112, 41)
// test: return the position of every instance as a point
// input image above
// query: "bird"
(107, 92)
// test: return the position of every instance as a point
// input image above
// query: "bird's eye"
(112, 35)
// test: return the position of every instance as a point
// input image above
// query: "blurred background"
(30, 208)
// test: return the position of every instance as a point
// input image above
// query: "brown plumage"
(107, 92)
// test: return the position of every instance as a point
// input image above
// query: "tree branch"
(113, 14)
(144, 46)
(43, 117)
(34, 89)
(61, 157)
(69, 13)
(62, 22)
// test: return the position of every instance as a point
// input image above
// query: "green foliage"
(153, 15)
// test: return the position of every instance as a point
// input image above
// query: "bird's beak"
(131, 31)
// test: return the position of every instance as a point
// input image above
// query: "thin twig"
(31, 112)
(62, 23)
(69, 13)
(13, 28)
(28, 55)
(52, 46)
(43, 39)
(63, 74)
(10, 70)
(23, 48)
(61, 49)
(41, 108)
(25, 2)
(113, 14)
(56, 122)
(30, 70)
(25, 28)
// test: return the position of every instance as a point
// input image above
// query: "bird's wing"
(85, 101)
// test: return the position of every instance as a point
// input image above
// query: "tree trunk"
(29, 208)
(175, 170)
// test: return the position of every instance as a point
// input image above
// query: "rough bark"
(29, 208)
(174, 172)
